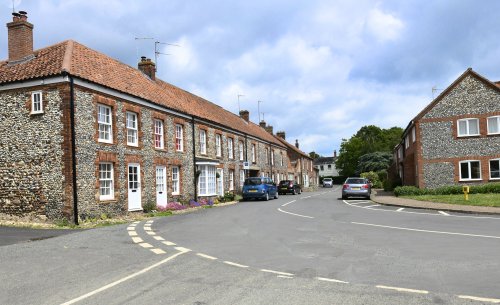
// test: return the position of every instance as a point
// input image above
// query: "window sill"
(469, 136)
(470, 180)
(160, 149)
(105, 142)
(37, 113)
(108, 201)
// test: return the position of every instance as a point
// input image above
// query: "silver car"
(356, 187)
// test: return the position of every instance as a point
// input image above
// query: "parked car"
(259, 188)
(356, 187)
(289, 186)
(327, 182)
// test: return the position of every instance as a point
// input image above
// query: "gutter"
(73, 145)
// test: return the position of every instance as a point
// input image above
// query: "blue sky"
(322, 68)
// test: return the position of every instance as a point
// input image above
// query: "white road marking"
(149, 221)
(157, 251)
(295, 214)
(131, 228)
(284, 205)
(158, 238)
(132, 233)
(443, 213)
(150, 233)
(324, 279)
(146, 245)
(276, 272)
(182, 249)
(103, 288)
(400, 209)
(307, 197)
(235, 264)
(426, 231)
(372, 206)
(206, 256)
(147, 228)
(136, 222)
(169, 243)
(137, 240)
(495, 301)
(285, 277)
(423, 213)
(403, 289)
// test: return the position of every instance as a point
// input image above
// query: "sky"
(322, 69)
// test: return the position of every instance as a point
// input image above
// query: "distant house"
(326, 165)
(456, 138)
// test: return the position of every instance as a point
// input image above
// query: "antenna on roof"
(157, 53)
(434, 90)
(141, 38)
(258, 108)
(239, 108)
(13, 6)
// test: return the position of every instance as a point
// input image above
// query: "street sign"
(246, 165)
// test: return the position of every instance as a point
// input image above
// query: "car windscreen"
(327, 179)
(355, 181)
(253, 181)
(284, 182)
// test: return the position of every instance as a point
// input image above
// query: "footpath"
(388, 198)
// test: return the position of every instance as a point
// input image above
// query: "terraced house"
(83, 134)
(456, 138)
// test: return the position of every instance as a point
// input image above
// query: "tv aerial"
(157, 52)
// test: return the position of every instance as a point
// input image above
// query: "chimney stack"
(335, 153)
(20, 36)
(262, 124)
(269, 129)
(147, 67)
(244, 114)
(281, 134)
(297, 143)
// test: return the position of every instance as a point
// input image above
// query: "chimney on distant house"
(20, 36)
(244, 114)
(262, 124)
(269, 129)
(147, 67)
(297, 143)
(281, 134)
(335, 153)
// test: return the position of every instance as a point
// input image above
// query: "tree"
(314, 155)
(374, 162)
(350, 151)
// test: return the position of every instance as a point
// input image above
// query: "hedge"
(447, 190)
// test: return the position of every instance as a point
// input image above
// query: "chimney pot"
(245, 115)
(281, 134)
(262, 124)
(20, 36)
(296, 143)
(269, 129)
(147, 67)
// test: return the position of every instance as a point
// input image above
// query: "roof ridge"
(68, 54)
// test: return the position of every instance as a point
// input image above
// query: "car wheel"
(294, 193)
(267, 197)
(300, 192)
(344, 197)
(276, 195)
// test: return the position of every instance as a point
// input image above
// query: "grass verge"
(487, 200)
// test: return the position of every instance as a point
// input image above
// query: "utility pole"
(258, 108)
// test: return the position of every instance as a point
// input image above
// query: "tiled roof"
(292, 147)
(83, 62)
(324, 160)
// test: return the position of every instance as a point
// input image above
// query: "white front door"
(161, 186)
(220, 183)
(134, 187)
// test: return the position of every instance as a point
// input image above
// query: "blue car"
(259, 188)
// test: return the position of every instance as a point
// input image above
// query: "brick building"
(84, 134)
(456, 138)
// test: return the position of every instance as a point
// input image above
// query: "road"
(312, 248)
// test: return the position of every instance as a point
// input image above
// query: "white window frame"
(253, 153)
(132, 129)
(272, 156)
(36, 102)
(497, 118)
(267, 155)
(176, 180)
(414, 134)
(242, 177)
(407, 141)
(231, 180)
(158, 134)
(218, 145)
(203, 141)
(104, 123)
(207, 180)
(108, 177)
(467, 126)
(179, 137)
(242, 152)
(230, 150)
(469, 173)
(489, 168)
(281, 159)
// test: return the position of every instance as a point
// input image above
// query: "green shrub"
(228, 196)
(373, 177)
(149, 207)
(447, 190)
(408, 190)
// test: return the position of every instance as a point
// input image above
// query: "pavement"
(388, 198)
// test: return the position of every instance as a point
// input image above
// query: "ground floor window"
(207, 180)
(470, 170)
(220, 182)
(231, 180)
(175, 180)
(106, 189)
(495, 169)
(242, 178)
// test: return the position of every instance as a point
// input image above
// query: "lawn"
(488, 200)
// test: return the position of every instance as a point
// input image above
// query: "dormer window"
(36, 102)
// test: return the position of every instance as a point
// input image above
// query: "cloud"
(383, 26)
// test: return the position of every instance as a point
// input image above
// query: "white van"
(327, 182)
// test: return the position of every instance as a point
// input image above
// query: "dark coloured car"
(356, 187)
(259, 188)
(289, 187)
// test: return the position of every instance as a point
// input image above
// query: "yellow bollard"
(465, 189)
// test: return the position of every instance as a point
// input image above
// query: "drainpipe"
(246, 156)
(194, 161)
(73, 145)
(271, 159)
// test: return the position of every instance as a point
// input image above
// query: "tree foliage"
(369, 139)
(314, 155)
(374, 162)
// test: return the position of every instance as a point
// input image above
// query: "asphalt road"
(308, 249)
